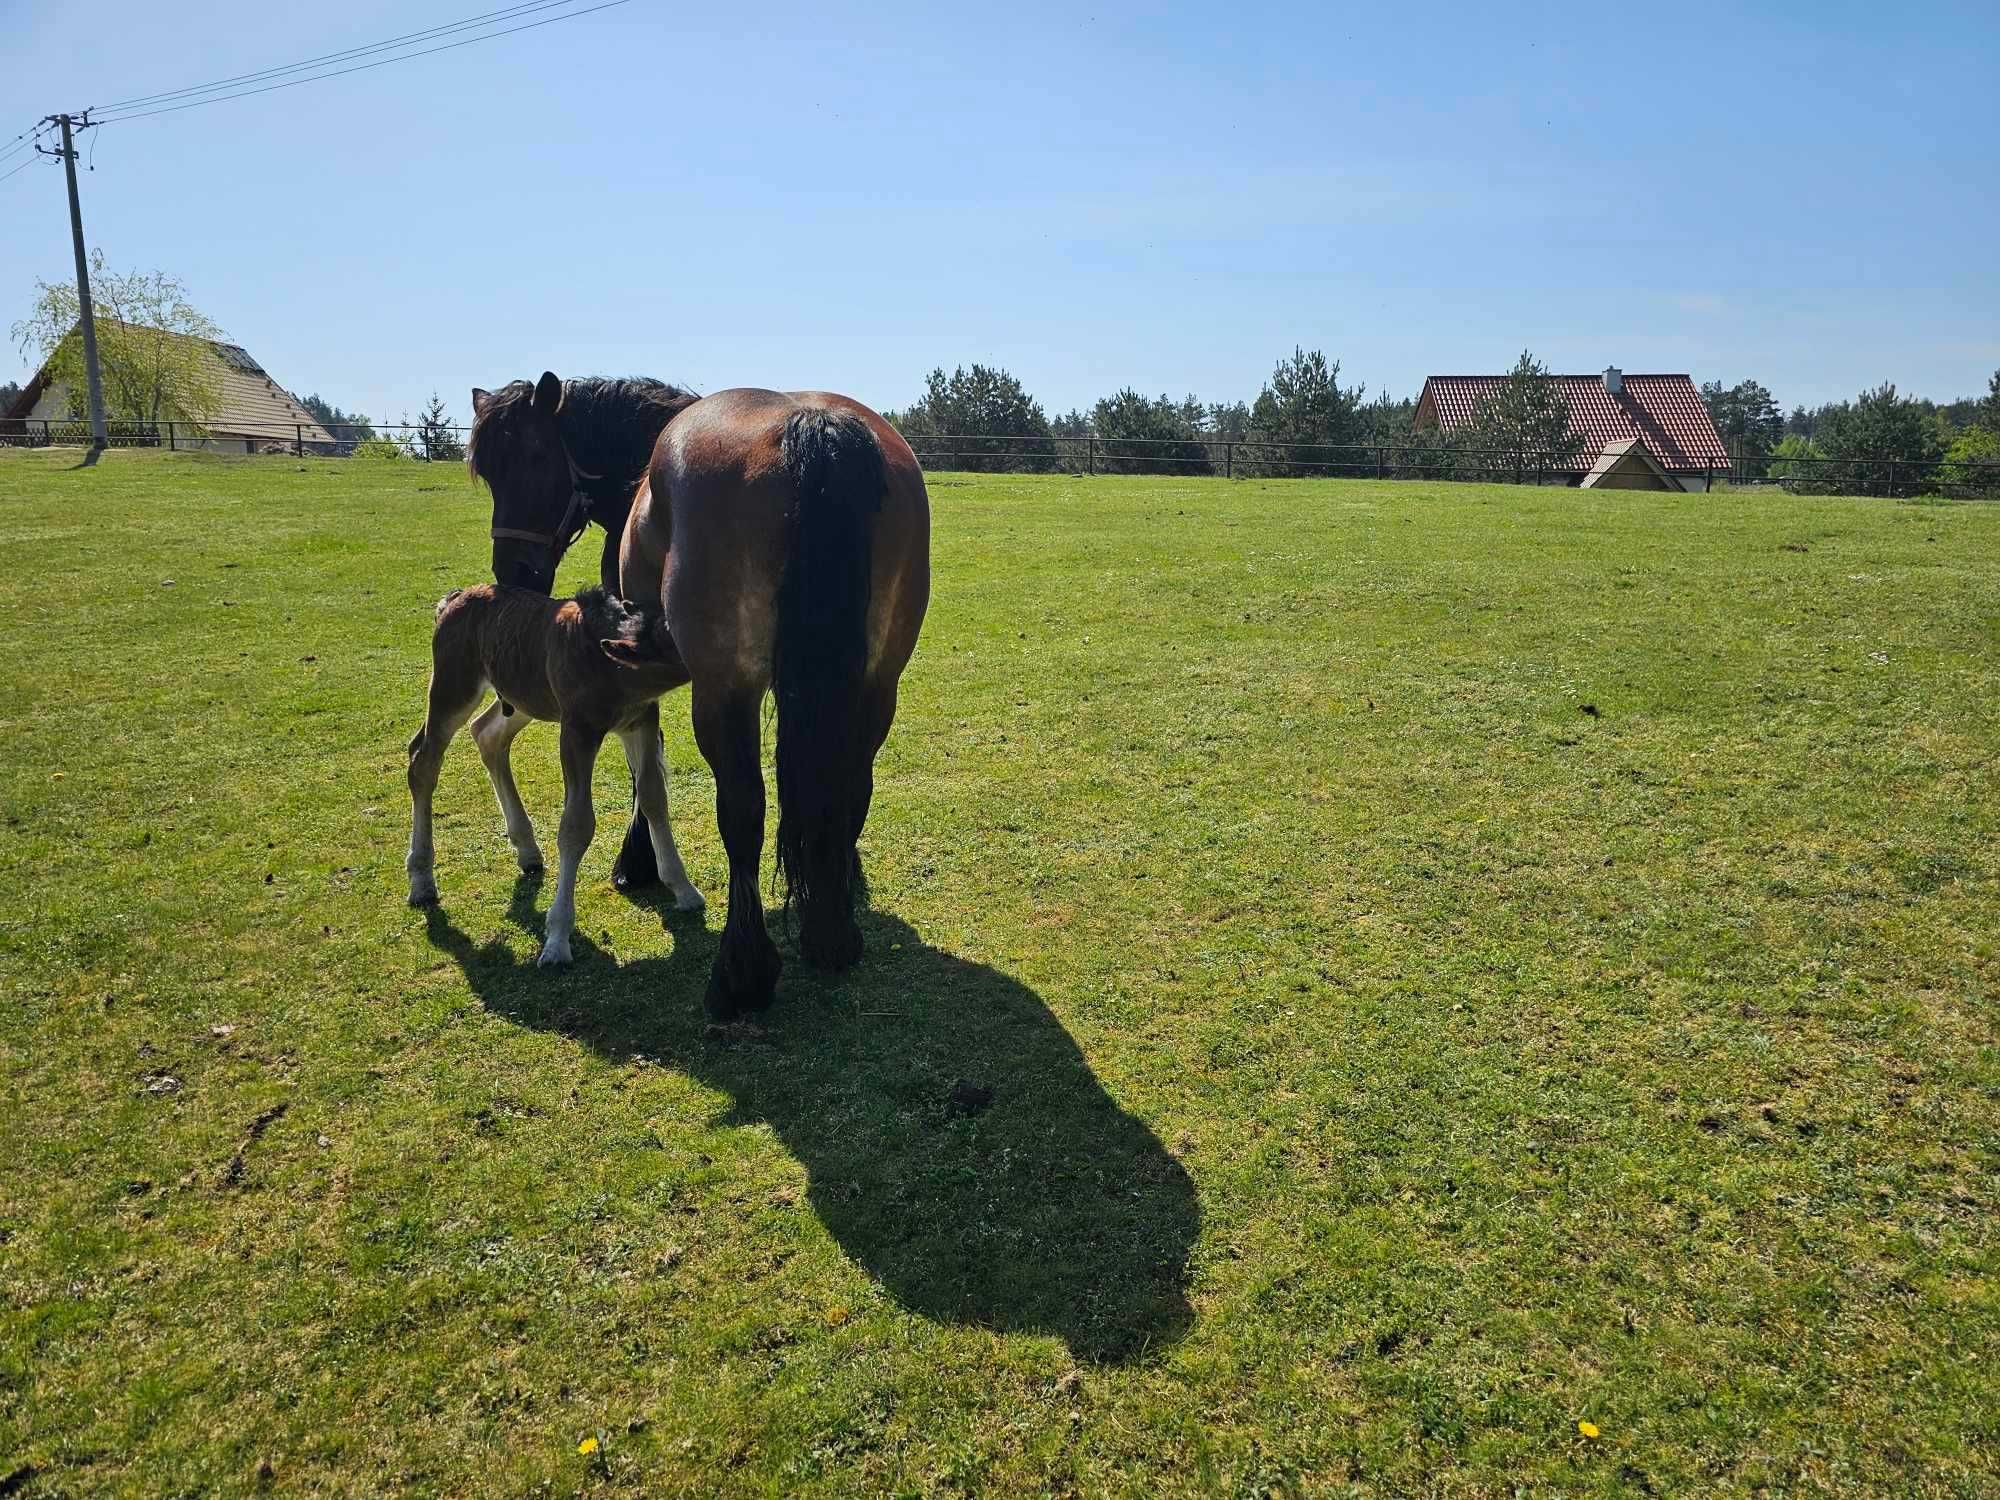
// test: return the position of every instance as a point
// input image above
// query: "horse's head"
(517, 448)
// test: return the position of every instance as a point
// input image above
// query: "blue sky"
(1090, 197)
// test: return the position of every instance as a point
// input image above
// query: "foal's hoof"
(554, 952)
(425, 894)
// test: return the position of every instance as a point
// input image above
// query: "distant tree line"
(350, 429)
(432, 436)
(1303, 403)
(1304, 421)
(1842, 445)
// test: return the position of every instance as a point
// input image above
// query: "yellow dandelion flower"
(1588, 1429)
(588, 1445)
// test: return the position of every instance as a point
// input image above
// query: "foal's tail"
(821, 661)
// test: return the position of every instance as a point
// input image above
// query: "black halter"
(575, 517)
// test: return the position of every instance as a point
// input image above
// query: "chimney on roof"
(1614, 381)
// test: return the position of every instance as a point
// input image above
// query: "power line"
(21, 168)
(30, 142)
(333, 57)
(360, 67)
(25, 141)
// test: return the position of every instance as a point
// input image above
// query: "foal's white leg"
(573, 836)
(645, 756)
(494, 732)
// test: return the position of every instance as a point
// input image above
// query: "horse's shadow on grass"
(1047, 1209)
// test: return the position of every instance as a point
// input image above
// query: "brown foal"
(592, 664)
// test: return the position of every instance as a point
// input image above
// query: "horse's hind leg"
(494, 733)
(645, 757)
(451, 702)
(745, 976)
(573, 836)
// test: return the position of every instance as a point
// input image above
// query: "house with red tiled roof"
(1662, 415)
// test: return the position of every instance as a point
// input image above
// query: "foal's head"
(517, 448)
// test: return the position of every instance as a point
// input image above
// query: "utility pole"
(85, 318)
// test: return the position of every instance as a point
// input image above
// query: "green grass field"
(1452, 963)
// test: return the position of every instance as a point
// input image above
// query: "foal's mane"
(608, 424)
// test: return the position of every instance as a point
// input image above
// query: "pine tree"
(1305, 407)
(434, 436)
(970, 406)
(1526, 420)
(1746, 418)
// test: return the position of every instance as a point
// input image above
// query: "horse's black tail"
(821, 660)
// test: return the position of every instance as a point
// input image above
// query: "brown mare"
(593, 665)
(786, 539)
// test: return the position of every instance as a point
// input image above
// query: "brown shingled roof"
(1664, 411)
(252, 404)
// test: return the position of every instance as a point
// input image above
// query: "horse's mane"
(609, 426)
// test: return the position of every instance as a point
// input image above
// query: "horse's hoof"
(554, 952)
(751, 986)
(831, 949)
(722, 1004)
(531, 864)
(717, 1003)
(423, 895)
(687, 898)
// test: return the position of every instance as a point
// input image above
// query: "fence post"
(1378, 460)
(1091, 449)
(1228, 459)
(171, 444)
(1892, 479)
(1709, 487)
(299, 439)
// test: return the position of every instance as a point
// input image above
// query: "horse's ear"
(627, 652)
(479, 400)
(548, 393)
